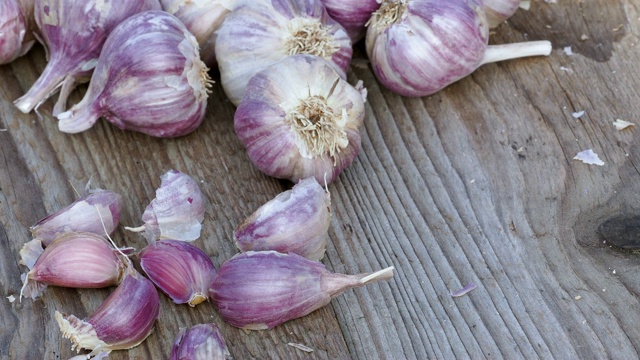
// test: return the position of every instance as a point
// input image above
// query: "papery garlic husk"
(299, 118)
(258, 290)
(176, 212)
(16, 29)
(76, 260)
(352, 14)
(202, 18)
(262, 32)
(123, 320)
(295, 221)
(96, 211)
(498, 11)
(74, 32)
(200, 342)
(418, 47)
(181, 270)
(149, 78)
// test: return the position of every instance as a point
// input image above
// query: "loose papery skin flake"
(200, 342)
(149, 78)
(16, 27)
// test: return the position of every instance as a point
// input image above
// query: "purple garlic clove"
(258, 290)
(76, 260)
(295, 221)
(498, 11)
(200, 342)
(16, 29)
(352, 14)
(179, 269)
(87, 214)
(123, 320)
(74, 32)
(177, 211)
(149, 78)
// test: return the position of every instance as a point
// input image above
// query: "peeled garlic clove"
(149, 78)
(258, 290)
(202, 18)
(498, 11)
(76, 260)
(200, 342)
(74, 32)
(176, 212)
(16, 27)
(179, 269)
(87, 214)
(295, 221)
(123, 320)
(418, 47)
(352, 14)
(260, 33)
(299, 118)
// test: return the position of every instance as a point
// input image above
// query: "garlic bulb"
(16, 27)
(149, 78)
(299, 119)
(200, 342)
(418, 47)
(295, 221)
(74, 32)
(498, 11)
(262, 32)
(258, 290)
(352, 14)
(202, 18)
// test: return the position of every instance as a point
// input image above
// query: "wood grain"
(476, 183)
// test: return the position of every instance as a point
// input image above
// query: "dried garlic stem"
(496, 53)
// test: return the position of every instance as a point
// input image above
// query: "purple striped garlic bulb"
(200, 342)
(149, 78)
(73, 33)
(16, 29)
(352, 14)
(262, 32)
(300, 119)
(498, 11)
(418, 47)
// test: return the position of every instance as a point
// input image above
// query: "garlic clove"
(257, 34)
(200, 342)
(176, 212)
(299, 119)
(16, 27)
(295, 221)
(259, 290)
(498, 11)
(74, 32)
(163, 95)
(352, 15)
(123, 321)
(86, 214)
(179, 269)
(76, 260)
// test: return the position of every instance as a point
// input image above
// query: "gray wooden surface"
(476, 183)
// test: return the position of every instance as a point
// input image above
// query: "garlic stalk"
(299, 119)
(200, 342)
(74, 32)
(295, 221)
(418, 47)
(16, 29)
(149, 78)
(352, 14)
(259, 290)
(262, 32)
(498, 11)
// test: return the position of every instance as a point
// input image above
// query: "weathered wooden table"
(474, 184)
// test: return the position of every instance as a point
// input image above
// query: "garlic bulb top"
(299, 119)
(16, 27)
(202, 18)
(498, 11)
(352, 14)
(260, 33)
(149, 78)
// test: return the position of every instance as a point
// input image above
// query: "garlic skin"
(202, 18)
(200, 342)
(86, 214)
(299, 119)
(418, 47)
(16, 27)
(149, 78)
(498, 11)
(295, 221)
(176, 212)
(352, 15)
(73, 33)
(262, 32)
(259, 290)
(76, 260)
(179, 269)
(123, 321)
